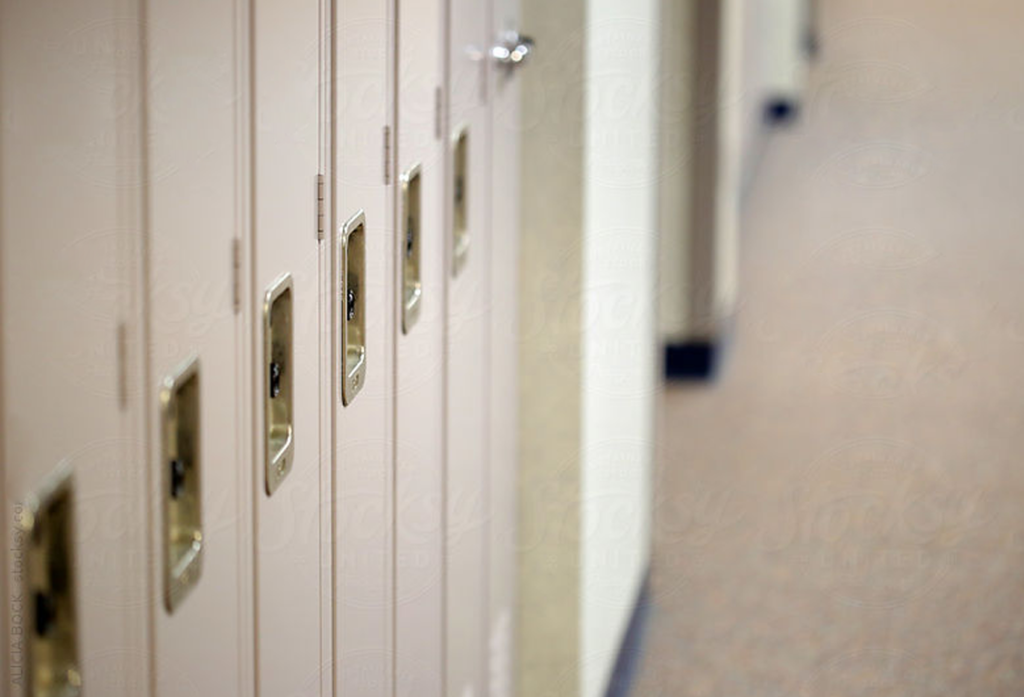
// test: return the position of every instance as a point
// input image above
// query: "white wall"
(587, 346)
(618, 323)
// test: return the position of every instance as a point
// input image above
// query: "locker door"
(468, 244)
(72, 489)
(503, 314)
(419, 379)
(201, 483)
(785, 38)
(361, 388)
(285, 301)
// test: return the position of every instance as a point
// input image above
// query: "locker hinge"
(387, 154)
(437, 113)
(319, 207)
(122, 365)
(236, 275)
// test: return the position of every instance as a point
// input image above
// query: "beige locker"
(421, 272)
(292, 599)
(467, 361)
(502, 347)
(362, 330)
(783, 33)
(197, 159)
(74, 586)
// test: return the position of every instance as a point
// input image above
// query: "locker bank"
(257, 338)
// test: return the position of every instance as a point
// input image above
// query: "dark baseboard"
(781, 111)
(693, 360)
(630, 652)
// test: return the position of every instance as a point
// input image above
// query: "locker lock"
(46, 613)
(410, 236)
(275, 379)
(350, 310)
(177, 478)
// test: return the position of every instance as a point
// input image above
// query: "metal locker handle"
(409, 230)
(279, 371)
(460, 198)
(47, 521)
(181, 463)
(512, 50)
(352, 254)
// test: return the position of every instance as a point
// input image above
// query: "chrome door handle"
(512, 50)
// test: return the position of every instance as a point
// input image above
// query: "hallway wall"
(618, 310)
(587, 348)
(550, 344)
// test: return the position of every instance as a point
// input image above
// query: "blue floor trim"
(781, 112)
(628, 661)
(696, 360)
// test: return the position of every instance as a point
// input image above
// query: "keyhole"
(275, 379)
(177, 478)
(351, 304)
(45, 613)
(409, 238)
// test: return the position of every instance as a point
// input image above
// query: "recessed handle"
(279, 372)
(460, 198)
(47, 523)
(410, 239)
(353, 306)
(181, 461)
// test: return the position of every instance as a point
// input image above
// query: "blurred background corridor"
(839, 513)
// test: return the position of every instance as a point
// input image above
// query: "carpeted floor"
(842, 512)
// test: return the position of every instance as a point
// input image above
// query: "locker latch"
(278, 353)
(460, 202)
(181, 453)
(47, 521)
(412, 283)
(352, 275)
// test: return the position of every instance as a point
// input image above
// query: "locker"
(419, 369)
(467, 375)
(784, 51)
(362, 329)
(73, 524)
(197, 379)
(292, 595)
(502, 347)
